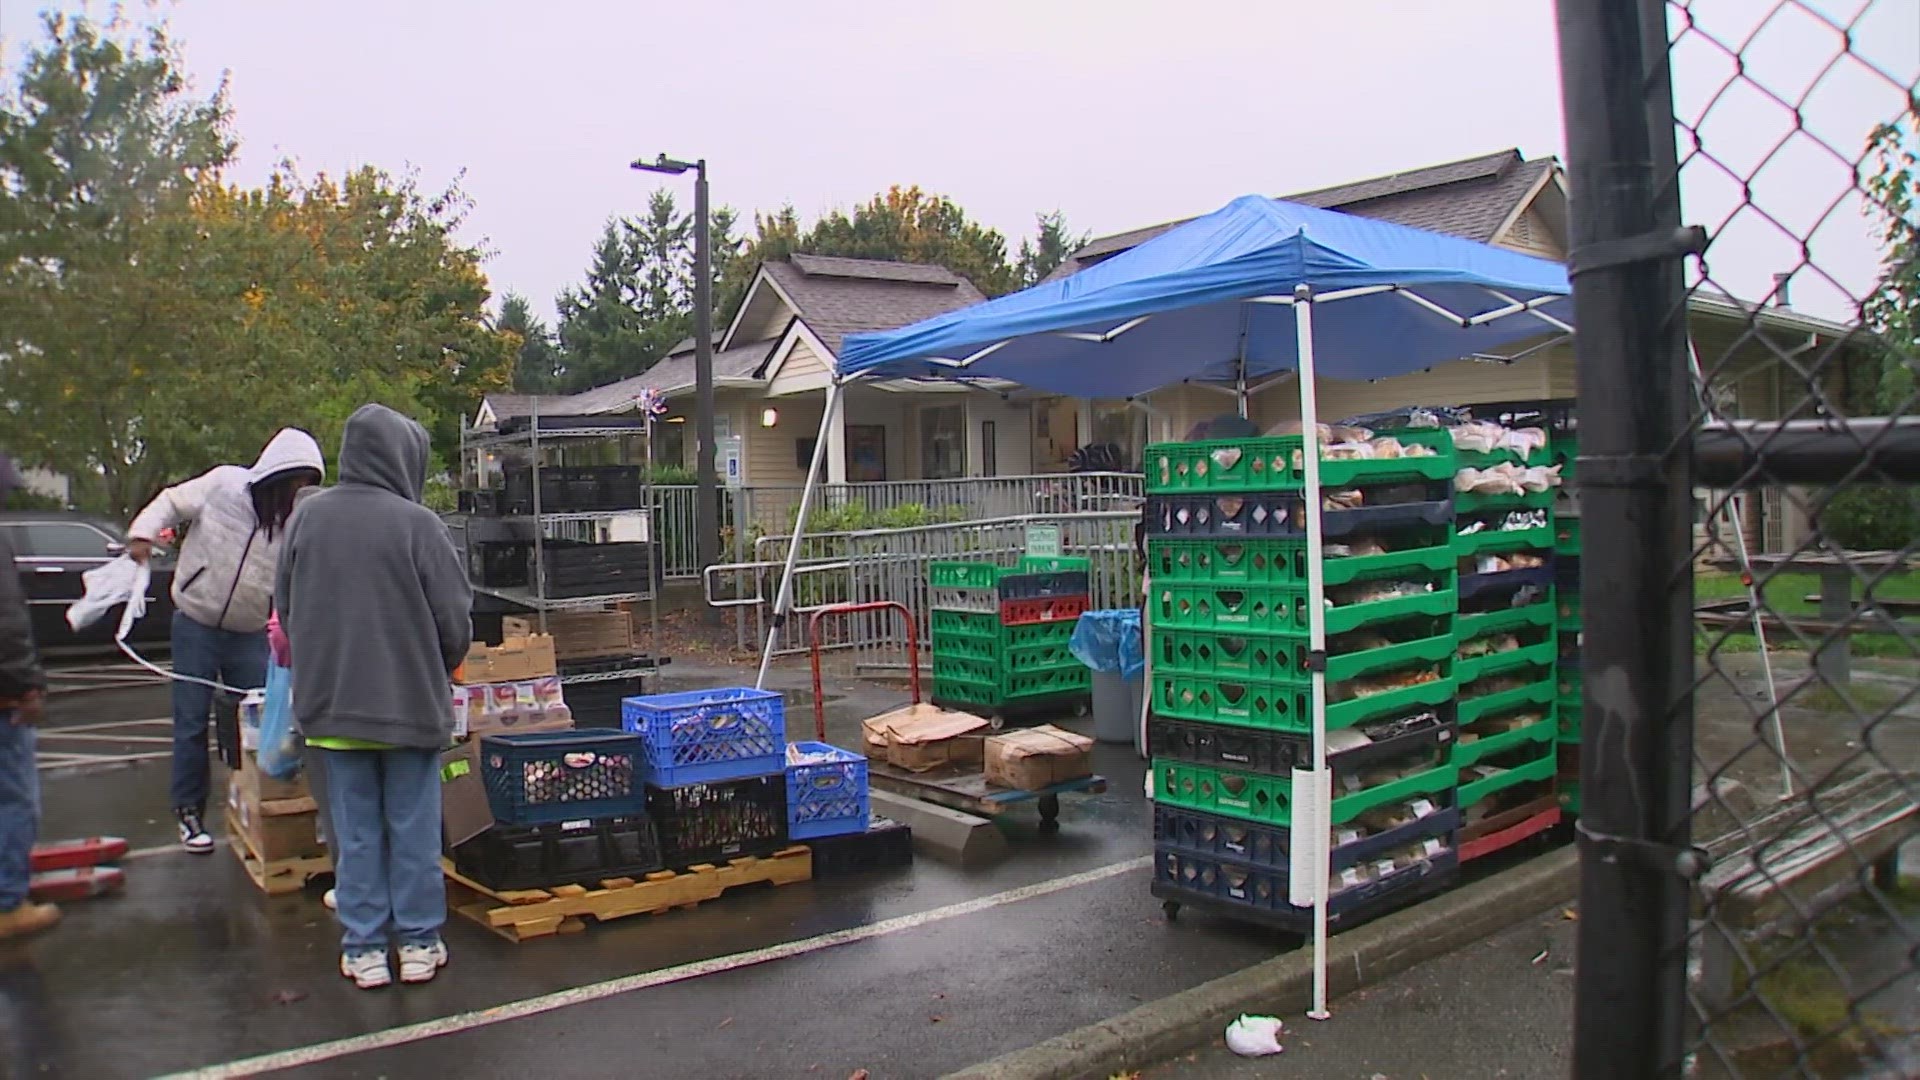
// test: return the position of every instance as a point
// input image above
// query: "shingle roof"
(1470, 198)
(837, 297)
(505, 405)
(673, 372)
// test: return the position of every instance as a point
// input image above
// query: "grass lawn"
(1787, 595)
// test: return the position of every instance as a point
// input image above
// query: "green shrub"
(1871, 517)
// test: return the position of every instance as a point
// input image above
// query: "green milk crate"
(1504, 620)
(1472, 751)
(1283, 560)
(1273, 609)
(1268, 800)
(1538, 770)
(1278, 463)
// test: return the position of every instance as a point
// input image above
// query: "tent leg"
(1240, 385)
(1317, 781)
(783, 601)
(1733, 512)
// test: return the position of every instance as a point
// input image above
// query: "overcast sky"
(1120, 114)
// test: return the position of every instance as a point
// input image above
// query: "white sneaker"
(331, 901)
(420, 963)
(368, 970)
(193, 835)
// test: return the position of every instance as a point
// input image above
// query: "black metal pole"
(1634, 407)
(706, 514)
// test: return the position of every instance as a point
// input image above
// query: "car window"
(61, 540)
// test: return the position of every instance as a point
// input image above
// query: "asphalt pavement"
(906, 973)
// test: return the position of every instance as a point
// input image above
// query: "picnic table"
(1837, 617)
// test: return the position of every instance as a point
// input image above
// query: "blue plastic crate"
(705, 736)
(541, 777)
(826, 798)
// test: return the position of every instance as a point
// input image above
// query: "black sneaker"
(193, 835)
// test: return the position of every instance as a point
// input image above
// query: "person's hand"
(31, 710)
(140, 551)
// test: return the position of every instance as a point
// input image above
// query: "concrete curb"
(1283, 985)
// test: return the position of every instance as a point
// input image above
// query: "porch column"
(837, 444)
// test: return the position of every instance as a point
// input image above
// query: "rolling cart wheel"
(1049, 814)
(1081, 708)
(1171, 908)
(996, 722)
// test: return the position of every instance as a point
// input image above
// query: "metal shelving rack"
(535, 598)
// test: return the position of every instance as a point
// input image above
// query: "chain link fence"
(1745, 240)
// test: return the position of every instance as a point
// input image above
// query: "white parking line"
(46, 734)
(56, 760)
(516, 1010)
(104, 725)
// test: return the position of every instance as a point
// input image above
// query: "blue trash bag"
(279, 752)
(1110, 641)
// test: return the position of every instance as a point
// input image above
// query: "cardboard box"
(1037, 758)
(922, 737)
(464, 810)
(580, 635)
(273, 829)
(513, 660)
(262, 789)
(559, 718)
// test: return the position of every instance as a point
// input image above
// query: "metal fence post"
(1636, 757)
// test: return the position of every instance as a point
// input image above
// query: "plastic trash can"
(1109, 643)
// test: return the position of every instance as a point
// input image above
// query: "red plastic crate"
(1042, 610)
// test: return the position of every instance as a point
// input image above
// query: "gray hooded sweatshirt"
(372, 595)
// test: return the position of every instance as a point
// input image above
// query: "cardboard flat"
(464, 810)
(517, 723)
(579, 635)
(922, 737)
(512, 660)
(1037, 758)
(261, 788)
(275, 836)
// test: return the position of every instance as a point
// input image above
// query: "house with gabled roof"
(771, 363)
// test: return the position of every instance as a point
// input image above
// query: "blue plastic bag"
(1110, 641)
(279, 751)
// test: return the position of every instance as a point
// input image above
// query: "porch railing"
(750, 514)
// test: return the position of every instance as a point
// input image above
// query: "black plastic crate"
(1474, 586)
(711, 823)
(1556, 416)
(885, 845)
(498, 564)
(579, 569)
(1275, 753)
(566, 853)
(597, 704)
(1259, 895)
(1218, 837)
(1042, 586)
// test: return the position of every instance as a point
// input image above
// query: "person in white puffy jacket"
(222, 593)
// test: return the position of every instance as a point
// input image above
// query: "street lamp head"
(664, 164)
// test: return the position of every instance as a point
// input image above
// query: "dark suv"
(51, 549)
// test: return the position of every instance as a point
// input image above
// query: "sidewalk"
(1498, 1008)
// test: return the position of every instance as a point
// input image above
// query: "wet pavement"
(1500, 1008)
(937, 967)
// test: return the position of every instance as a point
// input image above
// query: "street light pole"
(706, 515)
(706, 507)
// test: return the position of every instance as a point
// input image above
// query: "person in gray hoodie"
(378, 613)
(221, 593)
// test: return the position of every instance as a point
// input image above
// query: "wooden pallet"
(530, 913)
(275, 877)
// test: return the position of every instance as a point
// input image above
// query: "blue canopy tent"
(1257, 289)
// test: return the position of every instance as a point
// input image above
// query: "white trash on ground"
(1254, 1036)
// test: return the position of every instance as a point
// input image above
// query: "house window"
(943, 442)
(670, 445)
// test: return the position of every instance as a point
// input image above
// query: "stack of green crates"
(1563, 446)
(1506, 705)
(1001, 633)
(1231, 680)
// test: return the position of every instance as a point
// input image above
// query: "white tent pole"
(1319, 827)
(1734, 511)
(783, 601)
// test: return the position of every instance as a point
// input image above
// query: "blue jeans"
(19, 810)
(238, 660)
(384, 806)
